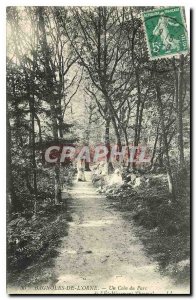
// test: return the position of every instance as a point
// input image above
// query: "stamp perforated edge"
(177, 55)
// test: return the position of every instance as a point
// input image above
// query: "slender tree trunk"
(136, 141)
(32, 110)
(40, 130)
(57, 165)
(107, 144)
(128, 150)
(179, 84)
(87, 138)
(30, 93)
(57, 176)
(117, 133)
(155, 147)
(180, 112)
(11, 194)
(140, 122)
(137, 130)
(160, 155)
(113, 119)
(167, 160)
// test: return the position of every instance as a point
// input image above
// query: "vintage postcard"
(98, 150)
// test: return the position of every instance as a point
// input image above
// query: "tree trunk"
(180, 111)
(155, 147)
(107, 144)
(167, 161)
(136, 137)
(137, 130)
(30, 93)
(179, 84)
(113, 118)
(11, 194)
(128, 150)
(160, 155)
(32, 110)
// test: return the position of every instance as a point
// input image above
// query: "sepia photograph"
(98, 150)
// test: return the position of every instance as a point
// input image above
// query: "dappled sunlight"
(94, 223)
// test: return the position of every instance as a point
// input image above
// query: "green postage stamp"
(166, 32)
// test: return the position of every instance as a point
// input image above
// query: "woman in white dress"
(81, 169)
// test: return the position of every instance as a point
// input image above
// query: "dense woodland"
(83, 75)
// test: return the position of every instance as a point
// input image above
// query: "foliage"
(163, 225)
(35, 239)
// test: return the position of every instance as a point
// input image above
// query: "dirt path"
(101, 253)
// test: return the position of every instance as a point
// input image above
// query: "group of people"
(99, 173)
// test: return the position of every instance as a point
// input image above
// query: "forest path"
(101, 253)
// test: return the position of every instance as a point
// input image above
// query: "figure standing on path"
(81, 169)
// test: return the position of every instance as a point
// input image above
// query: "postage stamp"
(166, 32)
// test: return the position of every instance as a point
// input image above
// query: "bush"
(166, 226)
(34, 239)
